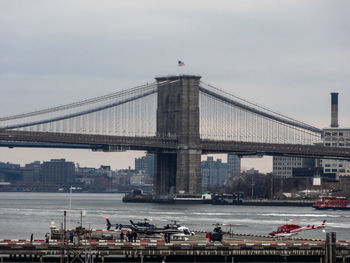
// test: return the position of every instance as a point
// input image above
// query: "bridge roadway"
(235, 248)
(9, 138)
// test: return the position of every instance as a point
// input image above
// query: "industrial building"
(335, 137)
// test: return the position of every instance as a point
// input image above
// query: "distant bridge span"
(178, 118)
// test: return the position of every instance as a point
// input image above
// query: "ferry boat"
(332, 202)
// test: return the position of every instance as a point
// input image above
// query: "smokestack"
(334, 110)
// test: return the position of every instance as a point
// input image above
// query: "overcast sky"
(284, 55)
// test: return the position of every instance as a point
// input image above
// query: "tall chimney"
(334, 110)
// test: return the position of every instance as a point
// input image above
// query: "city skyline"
(286, 56)
(131, 159)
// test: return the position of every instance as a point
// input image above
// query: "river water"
(24, 213)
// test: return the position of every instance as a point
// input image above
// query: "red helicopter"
(289, 230)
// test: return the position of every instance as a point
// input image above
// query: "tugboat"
(332, 202)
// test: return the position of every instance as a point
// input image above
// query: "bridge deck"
(110, 143)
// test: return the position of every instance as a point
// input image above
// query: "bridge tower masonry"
(178, 116)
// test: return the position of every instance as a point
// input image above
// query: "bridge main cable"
(81, 103)
(149, 90)
(275, 117)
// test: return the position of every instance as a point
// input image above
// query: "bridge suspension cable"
(81, 103)
(80, 113)
(127, 113)
(227, 117)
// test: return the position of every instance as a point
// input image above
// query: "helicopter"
(146, 228)
(109, 225)
(289, 230)
(216, 235)
(169, 229)
(142, 224)
(182, 229)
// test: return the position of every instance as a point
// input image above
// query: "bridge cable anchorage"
(245, 121)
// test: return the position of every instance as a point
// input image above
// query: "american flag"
(180, 63)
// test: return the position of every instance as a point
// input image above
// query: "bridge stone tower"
(178, 115)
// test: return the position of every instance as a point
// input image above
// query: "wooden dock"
(184, 251)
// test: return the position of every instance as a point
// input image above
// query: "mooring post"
(330, 247)
(333, 258)
(326, 254)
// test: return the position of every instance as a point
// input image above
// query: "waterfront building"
(31, 172)
(105, 170)
(57, 172)
(283, 166)
(146, 164)
(336, 137)
(10, 172)
(234, 164)
(217, 173)
(214, 173)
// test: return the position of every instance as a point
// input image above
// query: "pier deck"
(230, 250)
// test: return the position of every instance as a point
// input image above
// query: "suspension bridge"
(178, 118)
